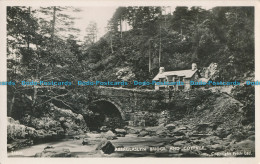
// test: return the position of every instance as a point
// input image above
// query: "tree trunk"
(28, 37)
(160, 48)
(111, 44)
(35, 88)
(11, 106)
(121, 35)
(53, 22)
(150, 63)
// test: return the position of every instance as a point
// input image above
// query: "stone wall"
(134, 104)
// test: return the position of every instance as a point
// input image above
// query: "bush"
(246, 95)
(151, 119)
(183, 102)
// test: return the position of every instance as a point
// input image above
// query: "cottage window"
(170, 79)
(161, 88)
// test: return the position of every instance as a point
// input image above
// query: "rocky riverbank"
(212, 128)
(171, 140)
(53, 126)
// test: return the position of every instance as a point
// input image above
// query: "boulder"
(244, 145)
(159, 129)
(19, 143)
(131, 130)
(180, 143)
(217, 147)
(170, 126)
(252, 138)
(120, 131)
(76, 138)
(103, 129)
(210, 140)
(179, 133)
(222, 133)
(10, 120)
(85, 141)
(106, 146)
(164, 134)
(205, 127)
(175, 139)
(229, 137)
(108, 135)
(62, 119)
(48, 147)
(181, 128)
(72, 123)
(152, 133)
(54, 153)
(143, 133)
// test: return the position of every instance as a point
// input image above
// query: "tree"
(91, 33)
(45, 56)
(21, 36)
(56, 21)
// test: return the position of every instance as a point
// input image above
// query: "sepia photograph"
(157, 81)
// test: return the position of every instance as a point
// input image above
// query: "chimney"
(161, 70)
(206, 74)
(193, 66)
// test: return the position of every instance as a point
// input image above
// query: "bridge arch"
(105, 113)
(117, 106)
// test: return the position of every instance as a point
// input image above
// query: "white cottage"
(180, 77)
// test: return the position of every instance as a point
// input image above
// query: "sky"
(100, 15)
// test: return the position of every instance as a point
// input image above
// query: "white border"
(3, 113)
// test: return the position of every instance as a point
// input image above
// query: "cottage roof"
(203, 80)
(184, 73)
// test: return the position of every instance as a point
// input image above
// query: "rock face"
(72, 123)
(19, 135)
(17, 131)
(125, 74)
(54, 124)
(211, 71)
(57, 123)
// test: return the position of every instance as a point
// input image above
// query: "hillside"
(224, 36)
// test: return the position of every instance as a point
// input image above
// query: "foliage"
(246, 95)
(223, 35)
(37, 50)
(151, 119)
(183, 103)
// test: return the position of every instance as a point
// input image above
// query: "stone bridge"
(128, 103)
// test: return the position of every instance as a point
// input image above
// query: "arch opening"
(104, 114)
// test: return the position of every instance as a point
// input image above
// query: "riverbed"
(135, 147)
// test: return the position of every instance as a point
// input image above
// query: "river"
(130, 142)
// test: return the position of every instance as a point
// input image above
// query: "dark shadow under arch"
(105, 113)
